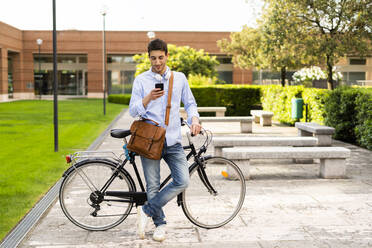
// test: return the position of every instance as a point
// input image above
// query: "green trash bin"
(297, 108)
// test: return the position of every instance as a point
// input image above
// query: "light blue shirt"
(155, 110)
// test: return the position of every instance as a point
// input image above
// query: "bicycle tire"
(205, 209)
(76, 190)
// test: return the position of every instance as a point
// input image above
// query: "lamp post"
(151, 35)
(55, 79)
(39, 42)
(104, 12)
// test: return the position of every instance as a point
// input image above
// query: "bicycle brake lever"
(182, 122)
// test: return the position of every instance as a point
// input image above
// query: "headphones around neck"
(166, 77)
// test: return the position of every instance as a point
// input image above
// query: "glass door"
(10, 77)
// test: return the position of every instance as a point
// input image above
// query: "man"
(150, 102)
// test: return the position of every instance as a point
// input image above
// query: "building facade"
(27, 72)
(26, 67)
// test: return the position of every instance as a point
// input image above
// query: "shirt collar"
(163, 75)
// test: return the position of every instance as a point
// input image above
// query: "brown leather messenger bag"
(147, 139)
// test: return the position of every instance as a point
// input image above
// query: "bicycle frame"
(140, 197)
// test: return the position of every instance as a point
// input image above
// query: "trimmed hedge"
(277, 99)
(315, 99)
(341, 113)
(120, 98)
(349, 111)
(363, 129)
(238, 99)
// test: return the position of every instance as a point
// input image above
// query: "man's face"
(158, 61)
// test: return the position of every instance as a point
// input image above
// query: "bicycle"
(97, 193)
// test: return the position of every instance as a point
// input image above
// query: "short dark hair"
(157, 44)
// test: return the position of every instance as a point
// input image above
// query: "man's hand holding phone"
(154, 94)
(158, 91)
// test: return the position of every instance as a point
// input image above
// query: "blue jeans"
(175, 157)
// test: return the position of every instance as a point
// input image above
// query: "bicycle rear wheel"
(211, 210)
(84, 204)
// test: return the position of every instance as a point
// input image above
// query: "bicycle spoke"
(82, 203)
(209, 209)
(85, 180)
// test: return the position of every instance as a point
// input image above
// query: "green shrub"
(341, 112)
(182, 58)
(315, 99)
(348, 110)
(363, 128)
(119, 98)
(278, 100)
(120, 89)
(201, 80)
(238, 99)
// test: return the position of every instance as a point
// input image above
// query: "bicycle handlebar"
(189, 137)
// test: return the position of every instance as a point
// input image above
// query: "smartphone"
(159, 86)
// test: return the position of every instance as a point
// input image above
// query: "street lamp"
(39, 42)
(55, 79)
(151, 35)
(103, 13)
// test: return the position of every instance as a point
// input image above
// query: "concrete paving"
(286, 206)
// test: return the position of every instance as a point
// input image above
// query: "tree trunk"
(283, 71)
(330, 83)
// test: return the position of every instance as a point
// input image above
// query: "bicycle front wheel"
(85, 205)
(215, 205)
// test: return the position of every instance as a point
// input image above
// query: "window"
(352, 78)
(66, 59)
(358, 61)
(224, 69)
(224, 60)
(61, 58)
(72, 74)
(83, 59)
(270, 77)
(120, 59)
(121, 70)
(225, 76)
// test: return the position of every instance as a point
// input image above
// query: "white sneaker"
(142, 220)
(159, 233)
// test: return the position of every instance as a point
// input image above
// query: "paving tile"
(286, 206)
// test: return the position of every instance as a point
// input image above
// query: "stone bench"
(220, 111)
(322, 133)
(221, 142)
(332, 159)
(245, 121)
(262, 117)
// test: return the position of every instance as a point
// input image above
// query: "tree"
(296, 33)
(276, 44)
(285, 39)
(244, 47)
(338, 27)
(184, 59)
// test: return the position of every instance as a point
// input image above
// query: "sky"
(132, 15)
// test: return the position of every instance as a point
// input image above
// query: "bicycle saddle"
(119, 133)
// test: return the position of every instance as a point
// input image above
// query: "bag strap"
(145, 119)
(169, 105)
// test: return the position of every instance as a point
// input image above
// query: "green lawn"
(28, 164)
